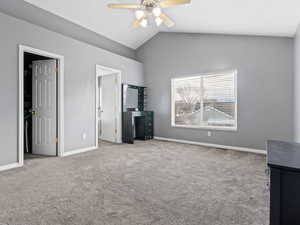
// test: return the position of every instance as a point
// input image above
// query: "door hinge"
(56, 140)
(56, 70)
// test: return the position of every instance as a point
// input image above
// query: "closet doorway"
(40, 104)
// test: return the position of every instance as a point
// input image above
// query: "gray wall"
(265, 83)
(80, 61)
(297, 87)
(40, 17)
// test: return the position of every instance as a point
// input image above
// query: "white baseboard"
(241, 149)
(10, 166)
(77, 151)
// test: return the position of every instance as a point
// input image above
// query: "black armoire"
(284, 164)
(137, 124)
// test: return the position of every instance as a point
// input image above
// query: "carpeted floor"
(149, 183)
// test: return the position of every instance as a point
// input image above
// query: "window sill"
(233, 129)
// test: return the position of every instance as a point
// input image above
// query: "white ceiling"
(250, 17)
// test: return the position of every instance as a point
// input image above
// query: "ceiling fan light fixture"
(158, 21)
(156, 11)
(144, 23)
(147, 9)
(139, 14)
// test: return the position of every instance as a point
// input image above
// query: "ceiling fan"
(151, 7)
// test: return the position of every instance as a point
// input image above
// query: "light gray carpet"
(149, 183)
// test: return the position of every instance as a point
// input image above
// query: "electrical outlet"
(84, 136)
(209, 133)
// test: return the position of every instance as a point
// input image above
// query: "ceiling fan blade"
(123, 6)
(167, 20)
(169, 3)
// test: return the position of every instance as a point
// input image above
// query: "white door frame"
(60, 97)
(110, 71)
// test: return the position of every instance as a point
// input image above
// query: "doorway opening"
(40, 104)
(108, 105)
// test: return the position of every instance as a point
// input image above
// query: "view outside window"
(207, 101)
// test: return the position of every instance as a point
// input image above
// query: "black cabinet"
(285, 197)
(284, 163)
(137, 125)
(149, 126)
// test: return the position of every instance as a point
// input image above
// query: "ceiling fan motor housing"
(149, 4)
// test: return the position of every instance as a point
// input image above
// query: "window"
(205, 101)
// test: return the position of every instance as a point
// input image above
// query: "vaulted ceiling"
(248, 17)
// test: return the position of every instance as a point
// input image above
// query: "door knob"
(33, 112)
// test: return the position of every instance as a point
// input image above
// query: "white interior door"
(108, 108)
(99, 107)
(44, 122)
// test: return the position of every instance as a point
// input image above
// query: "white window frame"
(221, 128)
